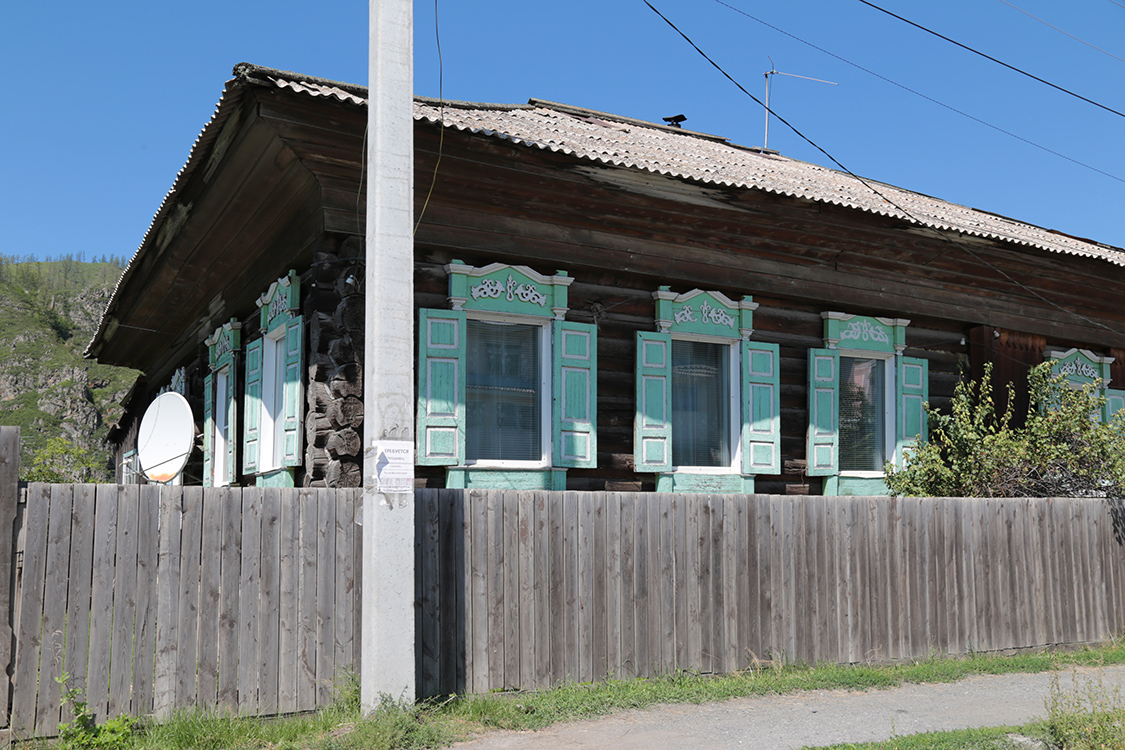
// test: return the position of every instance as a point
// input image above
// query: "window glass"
(700, 404)
(222, 430)
(503, 392)
(863, 424)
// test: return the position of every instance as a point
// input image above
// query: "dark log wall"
(333, 305)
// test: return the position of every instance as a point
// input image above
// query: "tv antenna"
(774, 72)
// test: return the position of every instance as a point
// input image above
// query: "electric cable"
(920, 94)
(872, 188)
(993, 59)
(1061, 31)
(441, 121)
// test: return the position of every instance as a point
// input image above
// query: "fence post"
(9, 497)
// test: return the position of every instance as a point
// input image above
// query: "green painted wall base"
(862, 486)
(502, 479)
(723, 484)
(279, 478)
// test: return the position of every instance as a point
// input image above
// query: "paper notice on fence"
(394, 466)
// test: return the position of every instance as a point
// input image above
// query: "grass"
(438, 723)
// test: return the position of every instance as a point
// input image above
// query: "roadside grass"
(1086, 715)
(440, 722)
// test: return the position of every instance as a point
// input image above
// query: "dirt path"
(813, 718)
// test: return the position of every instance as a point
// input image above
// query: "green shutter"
(761, 409)
(208, 427)
(1114, 402)
(441, 388)
(291, 406)
(252, 408)
(575, 395)
(913, 391)
(652, 428)
(823, 454)
(232, 426)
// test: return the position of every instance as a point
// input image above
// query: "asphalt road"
(813, 718)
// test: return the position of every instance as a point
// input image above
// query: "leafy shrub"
(1086, 717)
(1063, 450)
(85, 734)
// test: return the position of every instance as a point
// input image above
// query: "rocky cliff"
(51, 309)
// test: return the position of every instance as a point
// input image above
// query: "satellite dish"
(166, 437)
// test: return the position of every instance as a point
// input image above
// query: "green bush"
(1063, 449)
(1087, 717)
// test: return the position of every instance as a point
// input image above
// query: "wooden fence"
(529, 589)
(248, 600)
(153, 598)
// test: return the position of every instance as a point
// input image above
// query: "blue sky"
(104, 101)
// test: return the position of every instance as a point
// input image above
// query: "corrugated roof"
(659, 149)
(626, 142)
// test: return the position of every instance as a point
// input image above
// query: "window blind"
(700, 404)
(503, 392)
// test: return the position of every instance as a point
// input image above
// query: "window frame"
(568, 369)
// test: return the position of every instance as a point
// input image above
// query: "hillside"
(52, 309)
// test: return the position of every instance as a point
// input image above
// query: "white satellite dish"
(166, 437)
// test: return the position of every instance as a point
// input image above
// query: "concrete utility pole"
(387, 669)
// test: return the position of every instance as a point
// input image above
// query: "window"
(507, 389)
(504, 392)
(708, 404)
(130, 469)
(701, 404)
(220, 406)
(271, 444)
(866, 402)
(863, 414)
(1083, 369)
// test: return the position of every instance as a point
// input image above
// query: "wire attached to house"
(871, 187)
(993, 59)
(920, 94)
(441, 120)
(1061, 31)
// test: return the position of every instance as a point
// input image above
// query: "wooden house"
(602, 303)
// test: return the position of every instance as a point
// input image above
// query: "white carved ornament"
(279, 304)
(1076, 367)
(715, 315)
(863, 330)
(493, 289)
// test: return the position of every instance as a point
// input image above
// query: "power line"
(871, 187)
(993, 59)
(920, 94)
(1061, 31)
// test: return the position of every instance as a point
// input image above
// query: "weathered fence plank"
(25, 681)
(230, 572)
(144, 633)
(101, 615)
(9, 502)
(124, 601)
(210, 562)
(79, 575)
(250, 662)
(47, 711)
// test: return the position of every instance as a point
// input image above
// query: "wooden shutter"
(1114, 402)
(291, 403)
(208, 428)
(252, 409)
(575, 395)
(652, 430)
(761, 409)
(441, 388)
(913, 383)
(823, 453)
